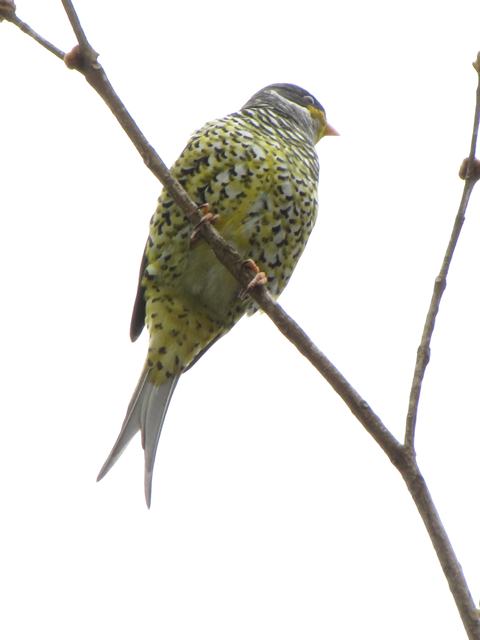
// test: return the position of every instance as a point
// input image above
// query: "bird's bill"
(330, 131)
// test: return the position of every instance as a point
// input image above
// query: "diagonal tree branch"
(469, 172)
(78, 29)
(83, 58)
(7, 12)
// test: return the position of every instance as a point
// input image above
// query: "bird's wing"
(138, 314)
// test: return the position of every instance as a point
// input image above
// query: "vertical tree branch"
(77, 28)
(470, 173)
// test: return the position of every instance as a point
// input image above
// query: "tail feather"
(146, 413)
(154, 410)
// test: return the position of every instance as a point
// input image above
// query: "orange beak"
(330, 131)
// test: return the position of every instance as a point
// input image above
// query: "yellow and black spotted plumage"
(258, 171)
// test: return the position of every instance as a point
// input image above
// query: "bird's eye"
(308, 100)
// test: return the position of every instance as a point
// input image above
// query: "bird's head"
(294, 102)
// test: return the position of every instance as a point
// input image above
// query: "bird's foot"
(259, 279)
(207, 218)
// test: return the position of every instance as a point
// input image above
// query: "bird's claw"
(259, 279)
(207, 218)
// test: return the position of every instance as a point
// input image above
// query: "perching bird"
(258, 171)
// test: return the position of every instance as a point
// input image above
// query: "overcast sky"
(274, 514)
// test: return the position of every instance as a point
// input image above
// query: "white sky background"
(274, 514)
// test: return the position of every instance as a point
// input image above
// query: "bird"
(254, 174)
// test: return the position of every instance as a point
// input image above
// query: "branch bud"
(74, 58)
(473, 173)
(476, 64)
(7, 9)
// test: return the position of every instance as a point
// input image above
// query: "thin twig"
(23, 26)
(76, 26)
(423, 352)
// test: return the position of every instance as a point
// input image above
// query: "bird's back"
(258, 172)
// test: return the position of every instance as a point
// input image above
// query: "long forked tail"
(146, 413)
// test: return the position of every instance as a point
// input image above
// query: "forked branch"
(83, 58)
